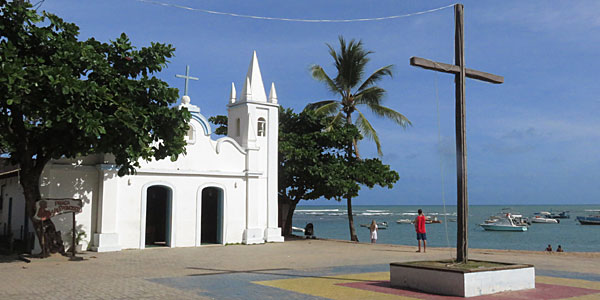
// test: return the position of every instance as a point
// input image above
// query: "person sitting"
(549, 248)
(559, 249)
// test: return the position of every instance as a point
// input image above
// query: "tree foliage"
(350, 62)
(62, 97)
(314, 162)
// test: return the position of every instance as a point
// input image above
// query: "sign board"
(48, 208)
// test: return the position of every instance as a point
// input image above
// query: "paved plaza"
(297, 269)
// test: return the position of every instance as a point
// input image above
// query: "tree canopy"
(350, 62)
(62, 97)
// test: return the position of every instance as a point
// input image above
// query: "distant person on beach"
(559, 249)
(373, 229)
(549, 248)
(420, 229)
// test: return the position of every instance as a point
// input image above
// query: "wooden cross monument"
(460, 72)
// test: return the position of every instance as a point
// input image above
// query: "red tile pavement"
(542, 291)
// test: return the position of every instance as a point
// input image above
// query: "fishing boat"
(503, 223)
(589, 220)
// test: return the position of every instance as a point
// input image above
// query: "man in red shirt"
(420, 229)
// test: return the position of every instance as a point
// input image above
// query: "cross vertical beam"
(462, 197)
(187, 79)
(460, 72)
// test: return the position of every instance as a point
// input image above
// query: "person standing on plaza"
(373, 229)
(420, 229)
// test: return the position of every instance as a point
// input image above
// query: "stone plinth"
(462, 282)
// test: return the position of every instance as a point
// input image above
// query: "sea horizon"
(331, 221)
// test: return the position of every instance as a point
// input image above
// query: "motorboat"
(404, 221)
(504, 223)
(589, 220)
(297, 229)
(544, 220)
(433, 220)
(517, 219)
(560, 215)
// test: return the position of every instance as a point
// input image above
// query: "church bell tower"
(253, 122)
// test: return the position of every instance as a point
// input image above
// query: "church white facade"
(222, 191)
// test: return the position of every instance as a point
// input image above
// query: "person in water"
(559, 249)
(549, 248)
(373, 229)
(420, 229)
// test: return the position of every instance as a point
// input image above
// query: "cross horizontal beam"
(453, 69)
(187, 77)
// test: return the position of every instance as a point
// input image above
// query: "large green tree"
(62, 97)
(350, 62)
(313, 162)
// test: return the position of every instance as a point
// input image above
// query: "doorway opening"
(212, 216)
(158, 216)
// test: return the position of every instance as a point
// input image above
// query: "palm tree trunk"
(353, 236)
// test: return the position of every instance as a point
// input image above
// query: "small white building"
(221, 192)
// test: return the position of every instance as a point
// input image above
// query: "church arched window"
(237, 127)
(261, 127)
(190, 136)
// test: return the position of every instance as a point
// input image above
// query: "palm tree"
(350, 63)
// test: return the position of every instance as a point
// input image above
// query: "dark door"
(211, 216)
(158, 216)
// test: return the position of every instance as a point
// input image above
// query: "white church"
(222, 191)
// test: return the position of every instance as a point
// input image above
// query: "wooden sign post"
(460, 72)
(48, 208)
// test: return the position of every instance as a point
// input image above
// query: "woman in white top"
(373, 229)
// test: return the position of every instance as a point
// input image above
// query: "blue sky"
(533, 140)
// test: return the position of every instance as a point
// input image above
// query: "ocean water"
(332, 222)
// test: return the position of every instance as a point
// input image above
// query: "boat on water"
(433, 220)
(560, 215)
(544, 219)
(504, 223)
(404, 221)
(517, 219)
(297, 229)
(591, 219)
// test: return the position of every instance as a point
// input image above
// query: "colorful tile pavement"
(358, 282)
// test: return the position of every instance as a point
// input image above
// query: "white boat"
(544, 220)
(297, 229)
(404, 221)
(503, 223)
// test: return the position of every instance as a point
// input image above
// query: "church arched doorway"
(158, 216)
(211, 218)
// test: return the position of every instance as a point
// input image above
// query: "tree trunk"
(52, 240)
(286, 212)
(353, 236)
(287, 230)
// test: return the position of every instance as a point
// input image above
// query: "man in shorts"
(420, 229)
